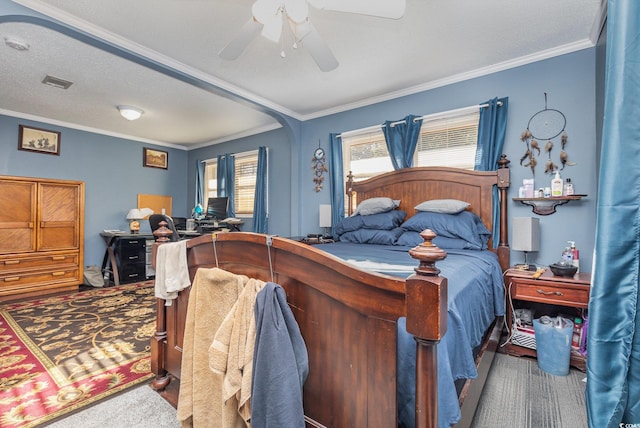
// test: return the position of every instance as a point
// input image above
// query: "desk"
(127, 257)
(210, 226)
(188, 234)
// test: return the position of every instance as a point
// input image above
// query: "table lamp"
(135, 215)
(325, 219)
(525, 232)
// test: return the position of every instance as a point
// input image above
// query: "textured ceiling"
(191, 97)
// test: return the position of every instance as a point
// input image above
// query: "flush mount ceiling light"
(16, 44)
(270, 17)
(130, 113)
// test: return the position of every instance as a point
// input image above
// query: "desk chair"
(156, 219)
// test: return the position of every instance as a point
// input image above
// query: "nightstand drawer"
(572, 296)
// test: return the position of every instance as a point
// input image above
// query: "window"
(442, 142)
(365, 155)
(246, 169)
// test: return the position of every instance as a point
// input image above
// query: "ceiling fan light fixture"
(272, 29)
(297, 10)
(265, 10)
(130, 112)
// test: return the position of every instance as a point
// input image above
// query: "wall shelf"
(546, 206)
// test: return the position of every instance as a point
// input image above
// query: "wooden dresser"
(41, 236)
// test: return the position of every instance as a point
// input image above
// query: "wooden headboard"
(421, 184)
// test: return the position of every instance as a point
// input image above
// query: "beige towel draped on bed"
(231, 353)
(212, 296)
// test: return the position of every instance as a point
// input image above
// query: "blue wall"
(113, 172)
(111, 169)
(569, 81)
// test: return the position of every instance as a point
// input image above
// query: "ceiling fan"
(271, 16)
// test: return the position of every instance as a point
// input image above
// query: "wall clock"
(319, 167)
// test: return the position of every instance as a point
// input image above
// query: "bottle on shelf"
(556, 185)
(568, 187)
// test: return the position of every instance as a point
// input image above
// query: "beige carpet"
(139, 407)
(519, 394)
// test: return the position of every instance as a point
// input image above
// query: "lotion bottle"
(556, 185)
(575, 255)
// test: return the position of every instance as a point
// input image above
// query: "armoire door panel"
(59, 208)
(17, 217)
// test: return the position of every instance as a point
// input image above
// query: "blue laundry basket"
(553, 344)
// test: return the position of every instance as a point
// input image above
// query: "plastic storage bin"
(553, 344)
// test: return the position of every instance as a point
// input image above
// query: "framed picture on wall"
(155, 158)
(38, 140)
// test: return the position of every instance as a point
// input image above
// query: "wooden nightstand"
(550, 295)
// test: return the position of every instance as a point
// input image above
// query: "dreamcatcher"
(546, 124)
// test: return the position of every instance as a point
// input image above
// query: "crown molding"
(79, 127)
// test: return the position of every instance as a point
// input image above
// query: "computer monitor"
(217, 208)
(180, 223)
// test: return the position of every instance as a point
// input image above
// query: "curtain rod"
(431, 116)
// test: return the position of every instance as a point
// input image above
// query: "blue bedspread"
(475, 293)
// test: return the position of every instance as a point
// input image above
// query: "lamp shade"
(138, 213)
(525, 233)
(134, 214)
(325, 215)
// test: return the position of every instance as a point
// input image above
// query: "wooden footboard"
(348, 320)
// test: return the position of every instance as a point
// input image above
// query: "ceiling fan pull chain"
(284, 33)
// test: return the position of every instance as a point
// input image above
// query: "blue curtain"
(336, 185)
(199, 198)
(226, 171)
(401, 140)
(613, 335)
(260, 212)
(492, 128)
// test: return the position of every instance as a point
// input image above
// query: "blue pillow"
(376, 205)
(445, 206)
(465, 225)
(372, 236)
(412, 239)
(384, 221)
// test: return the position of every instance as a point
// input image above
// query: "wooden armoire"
(41, 236)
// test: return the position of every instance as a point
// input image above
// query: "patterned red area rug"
(60, 354)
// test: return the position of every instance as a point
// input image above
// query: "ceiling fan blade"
(307, 34)
(393, 9)
(247, 33)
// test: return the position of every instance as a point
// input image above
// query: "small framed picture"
(39, 140)
(155, 158)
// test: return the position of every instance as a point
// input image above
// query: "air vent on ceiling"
(57, 82)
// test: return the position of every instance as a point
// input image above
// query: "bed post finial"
(428, 254)
(162, 233)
